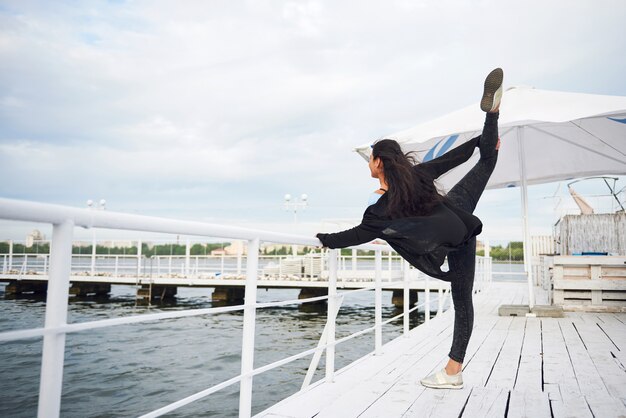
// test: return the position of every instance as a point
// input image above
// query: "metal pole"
(53, 352)
(354, 252)
(93, 252)
(187, 257)
(523, 190)
(406, 298)
(439, 301)
(239, 254)
(249, 318)
(10, 256)
(427, 297)
(378, 303)
(331, 316)
(139, 245)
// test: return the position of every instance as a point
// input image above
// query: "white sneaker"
(493, 91)
(442, 380)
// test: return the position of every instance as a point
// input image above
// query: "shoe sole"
(492, 91)
(443, 386)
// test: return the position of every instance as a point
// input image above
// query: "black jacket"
(424, 241)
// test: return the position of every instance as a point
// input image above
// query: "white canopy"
(545, 136)
(564, 135)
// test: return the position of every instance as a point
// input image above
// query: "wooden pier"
(515, 367)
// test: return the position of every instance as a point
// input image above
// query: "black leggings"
(465, 195)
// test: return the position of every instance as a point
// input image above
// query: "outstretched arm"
(450, 159)
(360, 234)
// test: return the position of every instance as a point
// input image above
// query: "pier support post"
(53, 352)
(19, 287)
(400, 295)
(147, 294)
(312, 292)
(228, 295)
(85, 289)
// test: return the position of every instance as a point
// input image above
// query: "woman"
(424, 227)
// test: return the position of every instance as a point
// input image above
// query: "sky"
(213, 111)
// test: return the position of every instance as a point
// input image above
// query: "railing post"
(331, 315)
(354, 253)
(53, 352)
(221, 265)
(440, 301)
(10, 256)
(390, 265)
(249, 318)
(93, 252)
(406, 301)
(187, 257)
(378, 304)
(139, 245)
(117, 265)
(239, 254)
(427, 298)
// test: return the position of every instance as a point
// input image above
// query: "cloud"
(215, 110)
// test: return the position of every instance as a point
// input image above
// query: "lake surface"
(130, 370)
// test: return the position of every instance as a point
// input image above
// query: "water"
(133, 369)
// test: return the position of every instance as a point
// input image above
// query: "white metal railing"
(64, 219)
(194, 266)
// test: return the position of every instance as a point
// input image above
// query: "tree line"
(513, 250)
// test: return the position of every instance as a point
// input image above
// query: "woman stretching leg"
(465, 195)
(424, 227)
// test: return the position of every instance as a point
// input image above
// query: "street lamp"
(295, 205)
(101, 206)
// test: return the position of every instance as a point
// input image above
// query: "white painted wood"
(388, 385)
(529, 404)
(529, 371)
(590, 382)
(486, 402)
(613, 284)
(505, 369)
(598, 345)
(590, 260)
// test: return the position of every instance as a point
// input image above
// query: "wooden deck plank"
(477, 369)
(378, 402)
(599, 348)
(486, 402)
(529, 404)
(590, 382)
(575, 363)
(505, 369)
(530, 366)
(424, 397)
(349, 379)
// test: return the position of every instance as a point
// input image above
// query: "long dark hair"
(411, 192)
